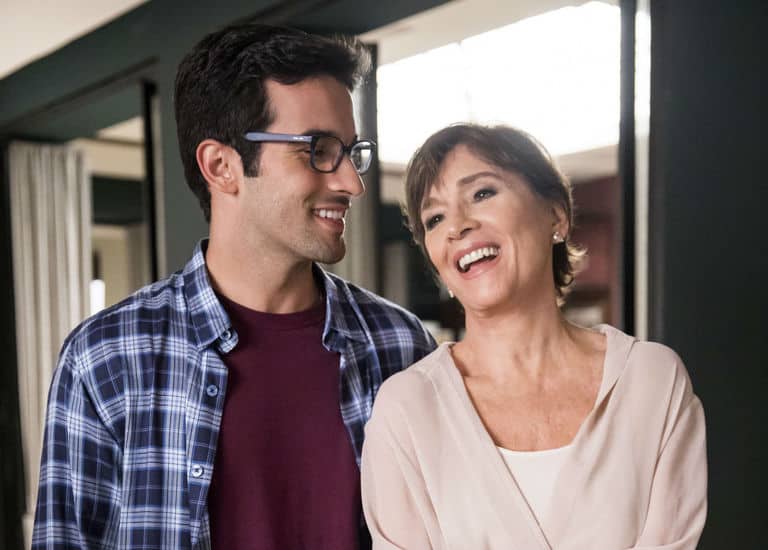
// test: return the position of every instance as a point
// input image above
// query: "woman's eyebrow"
(430, 202)
(477, 175)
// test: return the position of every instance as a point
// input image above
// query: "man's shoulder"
(146, 313)
(154, 302)
(370, 301)
(378, 312)
(399, 337)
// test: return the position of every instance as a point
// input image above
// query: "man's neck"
(267, 284)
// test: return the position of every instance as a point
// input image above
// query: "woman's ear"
(560, 222)
(220, 165)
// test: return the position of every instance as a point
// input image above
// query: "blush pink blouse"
(635, 476)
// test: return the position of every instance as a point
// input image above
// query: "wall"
(708, 198)
(123, 258)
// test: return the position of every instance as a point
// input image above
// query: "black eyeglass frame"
(269, 137)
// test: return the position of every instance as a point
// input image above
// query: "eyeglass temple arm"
(267, 136)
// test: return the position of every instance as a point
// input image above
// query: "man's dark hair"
(511, 150)
(220, 87)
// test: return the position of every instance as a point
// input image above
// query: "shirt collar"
(210, 321)
(342, 313)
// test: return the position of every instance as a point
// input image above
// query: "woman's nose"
(461, 224)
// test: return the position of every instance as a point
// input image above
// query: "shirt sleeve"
(396, 504)
(678, 502)
(78, 494)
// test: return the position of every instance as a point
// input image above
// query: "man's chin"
(332, 256)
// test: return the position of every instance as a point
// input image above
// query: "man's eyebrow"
(319, 132)
(326, 132)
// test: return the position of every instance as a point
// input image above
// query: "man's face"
(291, 212)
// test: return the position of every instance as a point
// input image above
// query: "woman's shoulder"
(417, 386)
(650, 364)
(653, 384)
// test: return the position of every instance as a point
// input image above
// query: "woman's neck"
(524, 345)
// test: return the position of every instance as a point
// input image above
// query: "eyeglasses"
(326, 151)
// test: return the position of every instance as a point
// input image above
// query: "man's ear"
(220, 165)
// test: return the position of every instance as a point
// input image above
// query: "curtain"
(50, 197)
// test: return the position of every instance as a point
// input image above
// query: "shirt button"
(212, 390)
(197, 470)
(226, 335)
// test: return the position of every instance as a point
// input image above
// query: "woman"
(531, 432)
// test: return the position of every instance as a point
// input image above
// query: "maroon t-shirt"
(285, 475)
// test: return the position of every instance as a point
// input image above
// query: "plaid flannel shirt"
(137, 398)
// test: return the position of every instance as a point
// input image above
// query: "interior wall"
(112, 159)
(708, 199)
(124, 259)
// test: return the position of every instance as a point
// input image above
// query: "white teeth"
(477, 254)
(332, 214)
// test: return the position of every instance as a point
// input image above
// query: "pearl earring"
(557, 238)
(450, 293)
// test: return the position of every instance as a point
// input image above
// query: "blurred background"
(653, 108)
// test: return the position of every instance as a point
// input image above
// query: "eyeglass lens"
(328, 150)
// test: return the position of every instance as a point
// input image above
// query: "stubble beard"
(325, 252)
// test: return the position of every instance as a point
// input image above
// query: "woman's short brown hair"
(511, 150)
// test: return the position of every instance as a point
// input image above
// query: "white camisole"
(535, 473)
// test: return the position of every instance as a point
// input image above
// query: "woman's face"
(489, 235)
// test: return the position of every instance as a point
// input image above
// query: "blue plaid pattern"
(136, 403)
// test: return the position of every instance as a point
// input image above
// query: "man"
(224, 406)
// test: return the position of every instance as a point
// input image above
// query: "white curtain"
(50, 194)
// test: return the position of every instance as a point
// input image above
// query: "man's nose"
(345, 179)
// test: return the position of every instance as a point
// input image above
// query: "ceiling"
(454, 21)
(31, 29)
